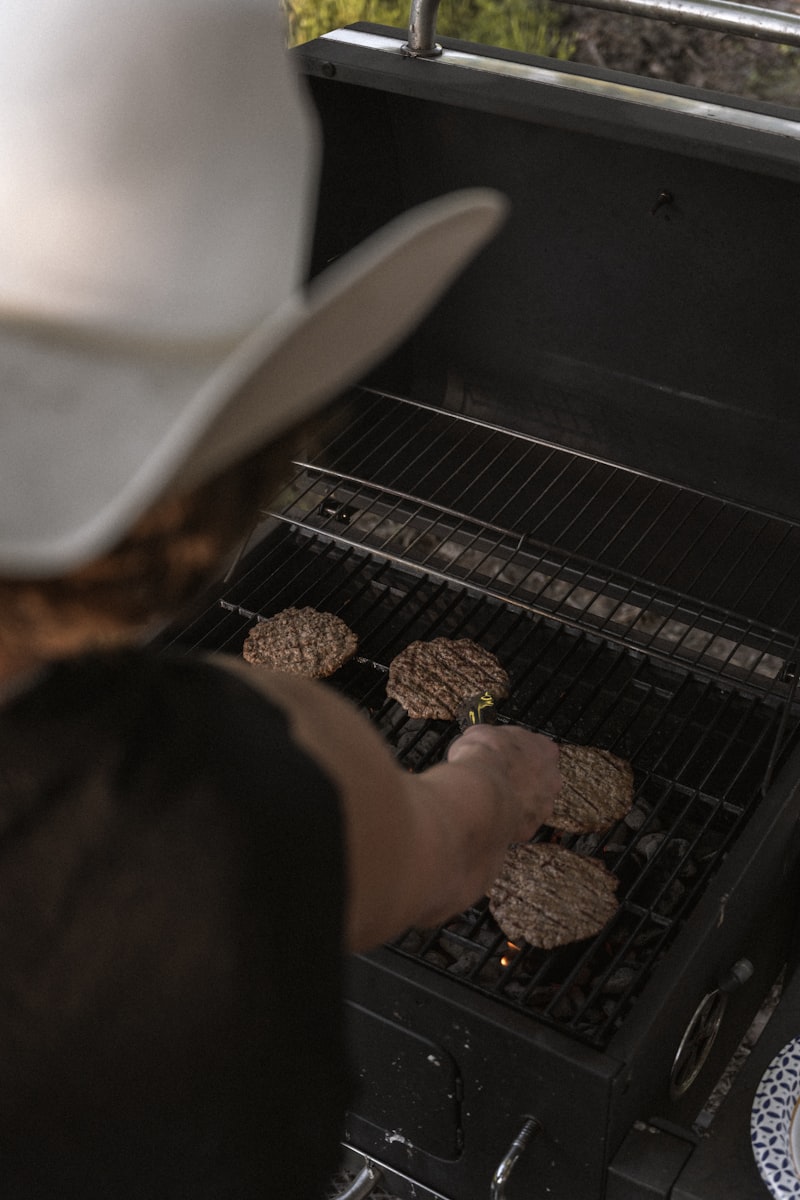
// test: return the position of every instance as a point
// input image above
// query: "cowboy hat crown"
(160, 175)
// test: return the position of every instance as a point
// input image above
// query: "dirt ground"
(746, 67)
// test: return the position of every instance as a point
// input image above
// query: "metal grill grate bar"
(700, 753)
(560, 533)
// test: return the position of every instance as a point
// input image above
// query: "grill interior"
(679, 574)
(633, 615)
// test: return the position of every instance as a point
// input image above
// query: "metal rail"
(679, 575)
(699, 753)
(422, 30)
(743, 20)
(364, 1183)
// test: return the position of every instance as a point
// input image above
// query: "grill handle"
(744, 20)
(527, 1133)
(422, 30)
(366, 1179)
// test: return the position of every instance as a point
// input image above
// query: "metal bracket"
(422, 30)
(701, 1032)
(367, 1178)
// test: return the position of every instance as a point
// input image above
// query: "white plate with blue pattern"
(775, 1124)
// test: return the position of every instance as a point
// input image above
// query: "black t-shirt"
(171, 901)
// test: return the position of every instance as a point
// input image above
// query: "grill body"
(584, 460)
(639, 304)
(454, 1050)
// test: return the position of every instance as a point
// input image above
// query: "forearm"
(458, 819)
(468, 822)
(419, 847)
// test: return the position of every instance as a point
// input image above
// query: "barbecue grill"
(583, 460)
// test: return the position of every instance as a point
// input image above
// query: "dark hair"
(170, 554)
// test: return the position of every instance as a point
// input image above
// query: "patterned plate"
(775, 1124)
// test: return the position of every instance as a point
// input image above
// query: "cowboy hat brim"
(95, 430)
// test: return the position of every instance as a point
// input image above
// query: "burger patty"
(301, 641)
(431, 679)
(548, 896)
(597, 789)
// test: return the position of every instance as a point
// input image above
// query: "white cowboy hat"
(159, 175)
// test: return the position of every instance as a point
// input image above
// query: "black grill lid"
(659, 335)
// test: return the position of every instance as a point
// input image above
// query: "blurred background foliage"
(529, 25)
(616, 41)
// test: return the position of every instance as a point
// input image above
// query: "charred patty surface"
(301, 641)
(597, 789)
(549, 896)
(431, 679)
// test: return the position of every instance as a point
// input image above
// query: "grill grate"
(683, 576)
(702, 748)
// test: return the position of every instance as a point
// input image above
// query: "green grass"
(529, 25)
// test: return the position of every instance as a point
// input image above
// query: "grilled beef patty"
(301, 641)
(548, 896)
(431, 679)
(597, 789)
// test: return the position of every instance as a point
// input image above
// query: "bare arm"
(420, 847)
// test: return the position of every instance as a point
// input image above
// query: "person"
(164, 820)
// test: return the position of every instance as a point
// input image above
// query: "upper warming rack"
(698, 580)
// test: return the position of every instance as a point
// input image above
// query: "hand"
(420, 846)
(527, 765)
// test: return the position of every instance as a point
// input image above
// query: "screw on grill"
(663, 199)
(336, 511)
